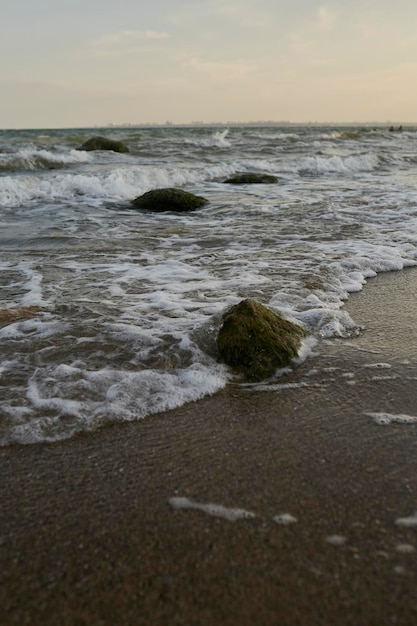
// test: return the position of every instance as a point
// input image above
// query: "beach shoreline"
(89, 535)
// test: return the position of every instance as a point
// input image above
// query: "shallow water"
(129, 302)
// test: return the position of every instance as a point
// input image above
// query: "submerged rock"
(251, 179)
(102, 143)
(168, 199)
(256, 341)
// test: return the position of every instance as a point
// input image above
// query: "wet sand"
(88, 536)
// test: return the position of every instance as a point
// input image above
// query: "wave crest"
(31, 159)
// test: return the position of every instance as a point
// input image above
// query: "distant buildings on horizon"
(253, 123)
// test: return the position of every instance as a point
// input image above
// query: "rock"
(102, 143)
(256, 341)
(251, 179)
(168, 199)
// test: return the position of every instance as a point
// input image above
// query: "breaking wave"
(32, 159)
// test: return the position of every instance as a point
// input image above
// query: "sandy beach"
(89, 533)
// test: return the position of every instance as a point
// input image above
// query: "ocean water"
(126, 304)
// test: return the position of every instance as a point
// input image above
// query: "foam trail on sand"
(336, 540)
(388, 418)
(405, 548)
(407, 521)
(285, 519)
(216, 510)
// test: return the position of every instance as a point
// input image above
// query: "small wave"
(350, 134)
(32, 159)
(67, 399)
(217, 140)
(119, 184)
(336, 164)
(334, 134)
(341, 134)
(286, 137)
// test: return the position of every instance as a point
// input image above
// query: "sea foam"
(215, 510)
(384, 419)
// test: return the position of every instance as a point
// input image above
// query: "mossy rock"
(102, 143)
(252, 179)
(255, 341)
(168, 199)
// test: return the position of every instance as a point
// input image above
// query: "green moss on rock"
(255, 341)
(168, 199)
(251, 179)
(102, 143)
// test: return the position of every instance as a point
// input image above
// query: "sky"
(80, 63)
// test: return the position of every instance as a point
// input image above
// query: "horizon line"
(169, 124)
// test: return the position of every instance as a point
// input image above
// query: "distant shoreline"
(406, 125)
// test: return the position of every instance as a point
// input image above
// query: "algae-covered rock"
(168, 199)
(102, 143)
(256, 341)
(251, 179)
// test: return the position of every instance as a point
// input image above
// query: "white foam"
(215, 510)
(29, 329)
(378, 365)
(67, 399)
(274, 387)
(33, 285)
(410, 521)
(328, 322)
(405, 548)
(285, 519)
(336, 540)
(306, 350)
(69, 408)
(384, 419)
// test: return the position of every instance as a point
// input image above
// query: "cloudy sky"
(91, 62)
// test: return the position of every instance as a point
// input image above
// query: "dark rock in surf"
(255, 341)
(168, 199)
(102, 143)
(252, 179)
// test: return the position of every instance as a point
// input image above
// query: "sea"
(110, 314)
